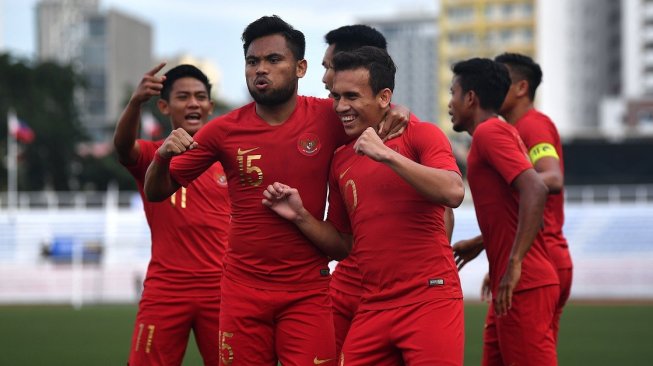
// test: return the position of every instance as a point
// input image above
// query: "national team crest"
(309, 144)
(221, 179)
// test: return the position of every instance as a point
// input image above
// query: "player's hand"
(394, 123)
(486, 290)
(177, 143)
(369, 143)
(149, 86)
(464, 251)
(503, 301)
(283, 200)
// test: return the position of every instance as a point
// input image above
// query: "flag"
(151, 126)
(18, 129)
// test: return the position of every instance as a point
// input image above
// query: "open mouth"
(347, 120)
(261, 83)
(193, 117)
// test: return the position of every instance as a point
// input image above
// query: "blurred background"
(72, 230)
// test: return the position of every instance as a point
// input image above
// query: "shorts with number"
(344, 309)
(524, 336)
(422, 334)
(259, 327)
(163, 326)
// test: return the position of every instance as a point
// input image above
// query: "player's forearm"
(159, 185)
(126, 132)
(437, 185)
(531, 208)
(324, 236)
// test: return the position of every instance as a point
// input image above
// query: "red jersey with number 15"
(400, 243)
(265, 250)
(497, 156)
(189, 232)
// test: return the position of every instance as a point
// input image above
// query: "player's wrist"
(160, 159)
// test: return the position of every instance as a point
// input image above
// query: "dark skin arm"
(532, 196)
(548, 168)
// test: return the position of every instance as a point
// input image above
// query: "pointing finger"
(156, 69)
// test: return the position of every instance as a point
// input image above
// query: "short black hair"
(376, 60)
(490, 81)
(351, 37)
(179, 72)
(524, 68)
(269, 25)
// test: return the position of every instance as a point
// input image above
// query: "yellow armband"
(542, 150)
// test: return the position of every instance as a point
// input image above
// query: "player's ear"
(384, 97)
(164, 108)
(301, 68)
(522, 88)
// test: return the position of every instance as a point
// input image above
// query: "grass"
(591, 334)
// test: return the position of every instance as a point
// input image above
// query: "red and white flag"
(150, 126)
(18, 129)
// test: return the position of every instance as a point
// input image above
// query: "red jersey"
(400, 246)
(189, 231)
(539, 133)
(266, 250)
(497, 156)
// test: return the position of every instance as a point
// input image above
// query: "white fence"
(100, 254)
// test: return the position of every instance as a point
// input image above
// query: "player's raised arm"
(287, 203)
(159, 185)
(126, 132)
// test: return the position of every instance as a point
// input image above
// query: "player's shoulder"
(492, 126)
(314, 103)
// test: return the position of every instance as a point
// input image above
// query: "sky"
(211, 29)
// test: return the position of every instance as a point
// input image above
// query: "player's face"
(511, 97)
(271, 70)
(355, 102)
(457, 108)
(327, 78)
(189, 105)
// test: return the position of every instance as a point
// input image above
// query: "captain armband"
(542, 150)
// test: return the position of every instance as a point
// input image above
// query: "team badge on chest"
(309, 144)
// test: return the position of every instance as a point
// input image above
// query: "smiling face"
(271, 70)
(355, 102)
(189, 105)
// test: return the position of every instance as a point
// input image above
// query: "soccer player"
(389, 197)
(189, 229)
(509, 200)
(275, 302)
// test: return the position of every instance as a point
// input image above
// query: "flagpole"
(12, 166)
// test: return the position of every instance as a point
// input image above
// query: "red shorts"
(259, 327)
(565, 277)
(524, 336)
(163, 325)
(423, 334)
(344, 309)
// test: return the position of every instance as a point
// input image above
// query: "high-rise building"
(481, 28)
(412, 40)
(60, 28)
(116, 52)
(110, 50)
(576, 42)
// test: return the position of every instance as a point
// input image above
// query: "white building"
(412, 40)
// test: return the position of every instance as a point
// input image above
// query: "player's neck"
(518, 111)
(278, 113)
(482, 115)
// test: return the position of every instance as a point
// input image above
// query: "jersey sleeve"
(337, 214)
(502, 149)
(139, 168)
(432, 146)
(540, 138)
(186, 167)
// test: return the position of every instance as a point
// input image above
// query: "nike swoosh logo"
(317, 361)
(243, 152)
(345, 172)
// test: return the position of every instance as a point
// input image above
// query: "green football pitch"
(591, 334)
